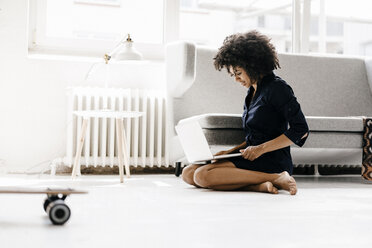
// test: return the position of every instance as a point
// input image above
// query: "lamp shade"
(128, 52)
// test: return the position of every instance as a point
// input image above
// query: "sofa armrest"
(368, 64)
(180, 67)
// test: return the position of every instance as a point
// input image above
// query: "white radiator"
(146, 136)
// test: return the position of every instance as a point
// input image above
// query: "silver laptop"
(195, 144)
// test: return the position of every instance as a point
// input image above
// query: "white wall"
(33, 93)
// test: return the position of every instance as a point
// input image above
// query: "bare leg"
(267, 187)
(189, 171)
(188, 174)
(223, 175)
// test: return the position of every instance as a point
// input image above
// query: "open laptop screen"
(193, 141)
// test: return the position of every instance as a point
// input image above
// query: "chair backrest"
(324, 86)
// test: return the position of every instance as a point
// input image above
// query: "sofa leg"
(178, 169)
(316, 170)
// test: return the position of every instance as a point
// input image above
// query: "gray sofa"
(334, 93)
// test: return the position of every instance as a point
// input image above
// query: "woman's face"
(241, 76)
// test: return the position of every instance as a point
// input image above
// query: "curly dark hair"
(252, 51)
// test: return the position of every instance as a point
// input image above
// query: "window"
(208, 22)
(96, 26)
(346, 27)
(105, 20)
(261, 21)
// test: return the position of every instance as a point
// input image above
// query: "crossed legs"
(223, 175)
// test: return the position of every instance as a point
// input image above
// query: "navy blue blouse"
(273, 108)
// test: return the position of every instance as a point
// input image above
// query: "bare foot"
(266, 187)
(286, 182)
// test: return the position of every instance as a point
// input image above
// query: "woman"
(270, 105)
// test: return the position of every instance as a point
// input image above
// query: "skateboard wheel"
(46, 203)
(58, 212)
(48, 200)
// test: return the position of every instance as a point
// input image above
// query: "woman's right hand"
(232, 150)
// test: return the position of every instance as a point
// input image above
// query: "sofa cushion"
(335, 124)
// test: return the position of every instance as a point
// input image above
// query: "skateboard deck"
(52, 191)
(54, 205)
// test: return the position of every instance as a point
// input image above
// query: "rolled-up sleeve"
(284, 101)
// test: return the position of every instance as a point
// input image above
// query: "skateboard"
(54, 205)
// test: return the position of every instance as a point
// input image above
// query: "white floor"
(162, 211)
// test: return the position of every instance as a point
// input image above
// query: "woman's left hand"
(252, 152)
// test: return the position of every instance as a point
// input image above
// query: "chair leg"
(316, 170)
(178, 169)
